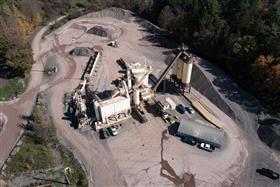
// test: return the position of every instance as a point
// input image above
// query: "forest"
(240, 36)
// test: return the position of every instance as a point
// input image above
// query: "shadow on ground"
(230, 89)
(72, 118)
(269, 132)
(155, 35)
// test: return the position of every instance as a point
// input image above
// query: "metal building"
(201, 132)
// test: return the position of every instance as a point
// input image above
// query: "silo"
(180, 65)
(186, 77)
(136, 97)
(146, 80)
(97, 114)
(174, 71)
(129, 84)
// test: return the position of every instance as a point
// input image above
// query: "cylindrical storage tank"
(96, 111)
(138, 70)
(174, 69)
(180, 65)
(187, 73)
(146, 80)
(137, 78)
(82, 106)
(174, 72)
(136, 97)
(129, 84)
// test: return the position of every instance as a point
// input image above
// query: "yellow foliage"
(24, 26)
(265, 60)
(277, 71)
(36, 20)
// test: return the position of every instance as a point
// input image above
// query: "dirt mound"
(81, 51)
(269, 132)
(98, 30)
(113, 12)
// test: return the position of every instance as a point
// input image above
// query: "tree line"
(241, 36)
(18, 21)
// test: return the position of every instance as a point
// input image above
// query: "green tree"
(18, 56)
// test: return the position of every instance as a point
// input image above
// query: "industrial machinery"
(165, 104)
(132, 92)
(114, 109)
(135, 89)
(113, 44)
(181, 70)
(91, 65)
(79, 103)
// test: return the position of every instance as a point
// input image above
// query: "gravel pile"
(113, 12)
(269, 133)
(204, 86)
(98, 30)
(81, 51)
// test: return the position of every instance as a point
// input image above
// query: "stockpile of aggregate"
(200, 82)
(269, 132)
(81, 51)
(113, 12)
(98, 30)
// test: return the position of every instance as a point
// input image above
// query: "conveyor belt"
(203, 110)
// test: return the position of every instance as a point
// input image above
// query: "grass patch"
(14, 87)
(40, 147)
(80, 2)
(32, 156)
(68, 160)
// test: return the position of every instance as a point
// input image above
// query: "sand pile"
(81, 51)
(98, 30)
(269, 132)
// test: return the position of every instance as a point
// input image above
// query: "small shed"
(171, 104)
(201, 132)
(163, 105)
